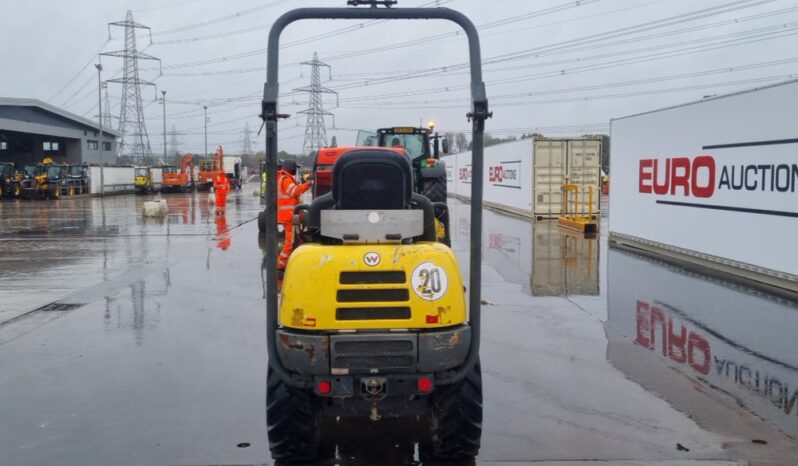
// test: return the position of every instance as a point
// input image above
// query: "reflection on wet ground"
(149, 348)
(734, 342)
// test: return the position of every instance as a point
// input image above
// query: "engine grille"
(372, 278)
(367, 353)
(372, 313)
(374, 295)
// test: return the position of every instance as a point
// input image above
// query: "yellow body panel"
(141, 181)
(310, 291)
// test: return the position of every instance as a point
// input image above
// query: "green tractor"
(9, 180)
(425, 148)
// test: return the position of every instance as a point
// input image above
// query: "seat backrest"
(369, 179)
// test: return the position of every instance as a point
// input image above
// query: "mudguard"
(437, 171)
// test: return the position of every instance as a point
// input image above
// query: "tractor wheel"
(435, 189)
(292, 420)
(456, 419)
(262, 221)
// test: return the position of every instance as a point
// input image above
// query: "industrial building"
(31, 130)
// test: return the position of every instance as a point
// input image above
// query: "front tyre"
(292, 420)
(456, 419)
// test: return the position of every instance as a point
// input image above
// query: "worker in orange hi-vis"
(288, 194)
(221, 185)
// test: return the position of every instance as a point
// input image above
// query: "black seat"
(371, 179)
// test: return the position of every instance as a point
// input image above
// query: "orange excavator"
(208, 169)
(182, 180)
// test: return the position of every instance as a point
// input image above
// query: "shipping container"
(526, 177)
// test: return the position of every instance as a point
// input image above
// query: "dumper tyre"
(435, 189)
(456, 419)
(262, 221)
(293, 421)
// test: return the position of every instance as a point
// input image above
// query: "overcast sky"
(556, 67)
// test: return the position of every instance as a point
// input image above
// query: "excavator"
(182, 180)
(208, 169)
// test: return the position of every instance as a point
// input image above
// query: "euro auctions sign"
(704, 177)
(506, 174)
(717, 177)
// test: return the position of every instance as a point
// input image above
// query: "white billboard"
(718, 177)
(507, 175)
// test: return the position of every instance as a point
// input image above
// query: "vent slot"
(372, 278)
(359, 296)
(373, 362)
(372, 313)
(372, 347)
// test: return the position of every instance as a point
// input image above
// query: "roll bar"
(477, 116)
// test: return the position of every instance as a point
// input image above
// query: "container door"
(584, 169)
(549, 158)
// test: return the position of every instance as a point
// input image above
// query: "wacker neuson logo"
(707, 176)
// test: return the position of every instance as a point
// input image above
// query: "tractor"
(9, 180)
(372, 320)
(429, 171)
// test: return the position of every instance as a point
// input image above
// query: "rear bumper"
(370, 353)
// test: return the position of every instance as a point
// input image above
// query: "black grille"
(357, 296)
(371, 278)
(372, 313)
(373, 347)
(369, 362)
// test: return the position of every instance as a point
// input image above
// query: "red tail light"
(324, 387)
(424, 384)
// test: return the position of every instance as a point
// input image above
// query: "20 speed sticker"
(429, 281)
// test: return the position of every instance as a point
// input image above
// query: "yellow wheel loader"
(371, 319)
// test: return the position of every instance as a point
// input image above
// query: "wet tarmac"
(128, 341)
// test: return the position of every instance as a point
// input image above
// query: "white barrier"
(526, 177)
(119, 179)
(714, 181)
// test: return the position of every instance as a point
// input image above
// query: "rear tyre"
(435, 189)
(456, 419)
(292, 420)
(262, 221)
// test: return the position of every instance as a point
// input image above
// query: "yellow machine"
(370, 319)
(386, 318)
(144, 180)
